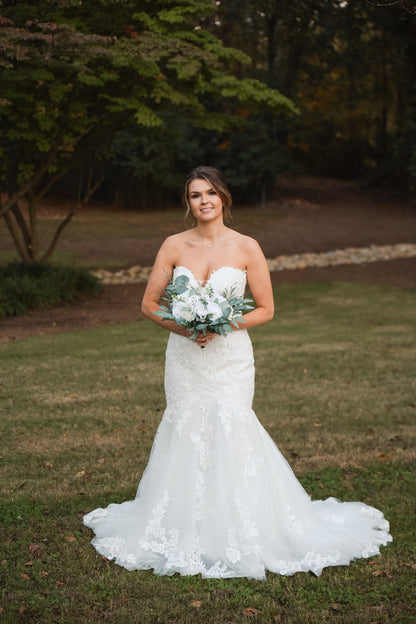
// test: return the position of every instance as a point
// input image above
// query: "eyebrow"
(207, 190)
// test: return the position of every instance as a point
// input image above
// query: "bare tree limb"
(58, 233)
(89, 193)
(34, 234)
(16, 235)
(23, 227)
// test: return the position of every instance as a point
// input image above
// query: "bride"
(217, 497)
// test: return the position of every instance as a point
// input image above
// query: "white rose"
(181, 311)
(214, 310)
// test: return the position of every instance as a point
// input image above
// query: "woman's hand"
(203, 341)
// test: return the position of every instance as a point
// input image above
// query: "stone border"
(350, 255)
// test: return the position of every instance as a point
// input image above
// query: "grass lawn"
(335, 389)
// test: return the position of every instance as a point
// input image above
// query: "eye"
(212, 192)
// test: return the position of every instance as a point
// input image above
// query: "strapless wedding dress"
(217, 496)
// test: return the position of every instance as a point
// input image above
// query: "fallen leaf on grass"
(219, 594)
(73, 396)
(36, 550)
(25, 577)
(197, 604)
(334, 606)
(59, 584)
(70, 538)
(43, 574)
(250, 612)
(277, 619)
(292, 452)
(348, 484)
(383, 573)
(81, 473)
(21, 610)
(48, 465)
(316, 424)
(28, 564)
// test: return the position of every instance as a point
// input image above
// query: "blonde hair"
(216, 179)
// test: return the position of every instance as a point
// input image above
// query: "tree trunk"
(33, 221)
(16, 234)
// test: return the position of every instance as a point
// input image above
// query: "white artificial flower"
(220, 299)
(214, 310)
(181, 311)
(198, 308)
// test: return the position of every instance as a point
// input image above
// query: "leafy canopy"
(73, 73)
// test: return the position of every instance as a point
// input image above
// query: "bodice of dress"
(222, 280)
(224, 367)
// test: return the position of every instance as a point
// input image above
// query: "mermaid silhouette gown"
(217, 496)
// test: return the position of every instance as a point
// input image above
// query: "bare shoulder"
(172, 243)
(175, 239)
(248, 245)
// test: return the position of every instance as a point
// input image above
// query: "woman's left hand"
(203, 341)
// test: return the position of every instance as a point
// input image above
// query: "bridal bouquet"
(200, 309)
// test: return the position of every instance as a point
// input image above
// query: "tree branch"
(33, 221)
(22, 225)
(58, 233)
(16, 235)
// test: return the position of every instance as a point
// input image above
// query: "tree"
(65, 90)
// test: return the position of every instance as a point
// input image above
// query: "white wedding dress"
(217, 496)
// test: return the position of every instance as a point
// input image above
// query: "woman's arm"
(158, 280)
(258, 277)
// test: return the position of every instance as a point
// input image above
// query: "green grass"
(69, 258)
(336, 390)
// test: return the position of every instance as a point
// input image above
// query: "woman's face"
(205, 203)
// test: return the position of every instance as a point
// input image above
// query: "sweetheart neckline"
(204, 282)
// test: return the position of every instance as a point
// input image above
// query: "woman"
(217, 497)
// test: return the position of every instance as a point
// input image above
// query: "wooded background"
(119, 99)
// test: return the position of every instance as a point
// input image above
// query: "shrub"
(26, 287)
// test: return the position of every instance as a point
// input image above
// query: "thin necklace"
(212, 243)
